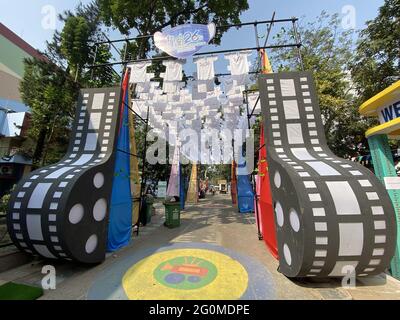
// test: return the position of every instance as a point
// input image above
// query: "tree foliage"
(376, 63)
(49, 87)
(148, 16)
(326, 52)
(51, 94)
(74, 42)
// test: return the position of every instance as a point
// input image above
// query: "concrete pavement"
(212, 225)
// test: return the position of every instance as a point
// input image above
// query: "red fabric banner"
(234, 184)
(265, 209)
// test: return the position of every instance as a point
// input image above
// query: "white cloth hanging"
(211, 100)
(172, 86)
(139, 106)
(197, 106)
(238, 62)
(205, 67)
(196, 95)
(231, 87)
(190, 116)
(236, 99)
(173, 97)
(204, 86)
(218, 92)
(185, 97)
(154, 86)
(168, 115)
(143, 87)
(241, 79)
(138, 71)
(252, 100)
(173, 70)
(160, 102)
(231, 110)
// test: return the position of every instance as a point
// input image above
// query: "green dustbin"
(149, 207)
(172, 214)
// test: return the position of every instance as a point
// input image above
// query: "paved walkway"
(215, 247)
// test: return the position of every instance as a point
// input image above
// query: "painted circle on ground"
(98, 180)
(91, 244)
(183, 274)
(120, 275)
(76, 213)
(287, 254)
(294, 220)
(100, 209)
(279, 214)
(277, 179)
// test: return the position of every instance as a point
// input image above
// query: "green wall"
(12, 56)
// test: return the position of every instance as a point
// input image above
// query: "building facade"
(14, 114)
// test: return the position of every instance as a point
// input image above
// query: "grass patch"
(15, 291)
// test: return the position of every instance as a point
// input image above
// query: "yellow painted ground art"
(186, 274)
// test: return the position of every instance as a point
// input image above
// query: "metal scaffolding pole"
(270, 23)
(258, 48)
(297, 39)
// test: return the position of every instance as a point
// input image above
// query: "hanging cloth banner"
(193, 194)
(245, 192)
(265, 208)
(233, 183)
(266, 64)
(139, 72)
(238, 62)
(134, 167)
(205, 67)
(173, 70)
(181, 188)
(173, 184)
(184, 40)
(120, 221)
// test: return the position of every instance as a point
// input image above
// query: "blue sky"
(25, 17)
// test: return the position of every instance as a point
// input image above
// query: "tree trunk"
(40, 145)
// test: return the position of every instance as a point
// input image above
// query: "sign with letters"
(389, 112)
(184, 40)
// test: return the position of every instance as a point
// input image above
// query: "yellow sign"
(386, 106)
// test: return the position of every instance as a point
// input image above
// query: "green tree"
(376, 64)
(102, 76)
(148, 16)
(326, 51)
(51, 94)
(49, 88)
(74, 42)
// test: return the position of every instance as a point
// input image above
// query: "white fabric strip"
(173, 70)
(205, 67)
(138, 72)
(238, 62)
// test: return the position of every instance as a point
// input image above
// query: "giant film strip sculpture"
(61, 211)
(332, 216)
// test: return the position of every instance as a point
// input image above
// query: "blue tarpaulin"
(245, 192)
(120, 221)
(181, 188)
